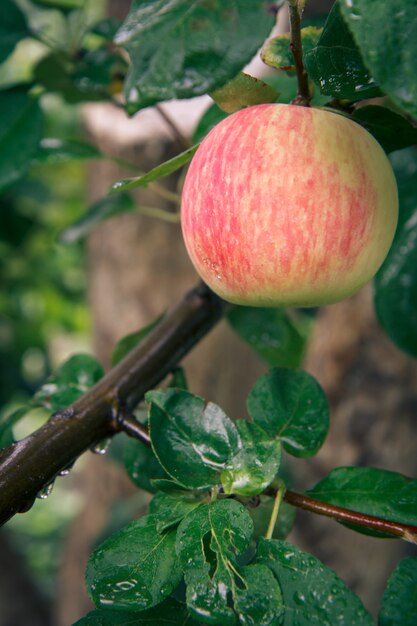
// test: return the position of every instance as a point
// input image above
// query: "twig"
(303, 93)
(275, 511)
(183, 141)
(30, 464)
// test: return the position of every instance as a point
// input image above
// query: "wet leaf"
(369, 490)
(52, 150)
(277, 52)
(168, 613)
(192, 440)
(127, 343)
(13, 28)
(181, 50)
(242, 91)
(399, 602)
(135, 569)
(258, 598)
(391, 130)
(170, 509)
(141, 465)
(313, 593)
(336, 64)
(292, 406)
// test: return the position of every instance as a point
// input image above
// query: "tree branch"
(303, 94)
(30, 464)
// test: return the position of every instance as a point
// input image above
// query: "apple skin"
(288, 205)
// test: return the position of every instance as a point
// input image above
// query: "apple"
(288, 205)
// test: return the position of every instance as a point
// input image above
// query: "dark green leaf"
(313, 593)
(7, 421)
(208, 541)
(209, 120)
(170, 166)
(170, 509)
(399, 602)
(20, 133)
(127, 343)
(242, 91)
(192, 440)
(372, 491)
(262, 514)
(135, 569)
(258, 598)
(384, 33)
(179, 379)
(255, 466)
(181, 50)
(100, 72)
(69, 383)
(292, 406)
(168, 486)
(142, 465)
(336, 65)
(97, 213)
(61, 5)
(277, 338)
(396, 281)
(392, 131)
(52, 150)
(277, 52)
(168, 613)
(13, 27)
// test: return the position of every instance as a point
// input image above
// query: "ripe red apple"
(288, 205)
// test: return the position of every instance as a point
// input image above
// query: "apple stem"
(303, 96)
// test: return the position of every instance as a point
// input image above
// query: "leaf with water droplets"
(208, 541)
(371, 491)
(292, 406)
(399, 602)
(135, 569)
(255, 466)
(313, 594)
(168, 613)
(336, 65)
(277, 52)
(142, 465)
(170, 509)
(258, 597)
(192, 440)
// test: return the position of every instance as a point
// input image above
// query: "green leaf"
(7, 421)
(392, 131)
(258, 599)
(52, 150)
(98, 212)
(135, 569)
(168, 613)
(383, 31)
(170, 509)
(255, 466)
(127, 343)
(142, 465)
(168, 486)
(399, 602)
(76, 376)
(275, 337)
(13, 28)
(242, 91)
(396, 281)
(277, 52)
(192, 440)
(372, 491)
(261, 515)
(336, 64)
(208, 541)
(292, 406)
(20, 133)
(61, 5)
(313, 593)
(184, 49)
(209, 120)
(164, 169)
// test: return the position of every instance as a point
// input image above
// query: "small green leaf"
(170, 509)
(242, 91)
(52, 150)
(399, 602)
(181, 50)
(258, 599)
(255, 466)
(261, 515)
(168, 486)
(372, 491)
(13, 28)
(336, 65)
(277, 52)
(98, 212)
(383, 32)
(127, 343)
(135, 569)
(208, 541)
(275, 337)
(313, 593)
(20, 133)
(292, 406)
(168, 613)
(142, 465)
(393, 131)
(164, 169)
(192, 440)
(7, 421)
(69, 382)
